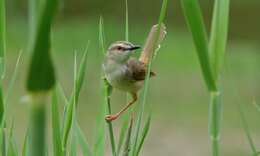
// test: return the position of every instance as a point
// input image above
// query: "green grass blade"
(256, 106)
(41, 75)
(144, 134)
(218, 36)
(74, 140)
(3, 140)
(128, 139)
(56, 131)
(12, 149)
(25, 149)
(246, 129)
(78, 83)
(2, 37)
(101, 35)
(14, 77)
(81, 74)
(196, 25)
(122, 134)
(146, 82)
(70, 109)
(108, 91)
(83, 142)
(126, 21)
(99, 145)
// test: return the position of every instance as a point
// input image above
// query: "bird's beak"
(135, 47)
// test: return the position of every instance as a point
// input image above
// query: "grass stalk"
(108, 90)
(41, 77)
(38, 122)
(146, 82)
(211, 59)
(214, 121)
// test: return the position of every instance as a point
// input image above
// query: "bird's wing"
(137, 70)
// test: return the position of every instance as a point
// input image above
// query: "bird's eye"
(119, 48)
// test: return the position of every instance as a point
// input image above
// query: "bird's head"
(120, 51)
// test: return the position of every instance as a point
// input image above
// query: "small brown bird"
(125, 72)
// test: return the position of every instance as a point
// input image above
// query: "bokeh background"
(177, 96)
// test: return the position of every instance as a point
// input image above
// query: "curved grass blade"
(70, 110)
(81, 74)
(78, 83)
(14, 76)
(144, 134)
(128, 139)
(25, 150)
(82, 142)
(12, 149)
(196, 25)
(246, 129)
(99, 145)
(122, 134)
(218, 36)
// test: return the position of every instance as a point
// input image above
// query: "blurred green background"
(177, 96)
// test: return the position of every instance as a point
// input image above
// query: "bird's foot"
(111, 117)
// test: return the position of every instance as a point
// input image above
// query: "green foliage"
(146, 82)
(127, 145)
(82, 142)
(218, 36)
(70, 107)
(196, 25)
(41, 75)
(211, 56)
(144, 134)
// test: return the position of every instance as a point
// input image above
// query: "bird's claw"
(110, 117)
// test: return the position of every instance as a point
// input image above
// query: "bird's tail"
(148, 49)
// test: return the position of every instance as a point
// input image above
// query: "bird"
(126, 73)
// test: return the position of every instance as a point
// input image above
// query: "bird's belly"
(118, 79)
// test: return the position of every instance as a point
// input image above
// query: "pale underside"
(128, 76)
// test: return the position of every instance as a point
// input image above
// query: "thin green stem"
(215, 120)
(126, 21)
(110, 125)
(37, 144)
(246, 129)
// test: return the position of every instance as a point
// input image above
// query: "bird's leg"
(115, 116)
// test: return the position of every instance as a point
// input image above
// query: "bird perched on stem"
(127, 73)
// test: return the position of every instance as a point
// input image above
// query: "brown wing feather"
(137, 69)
